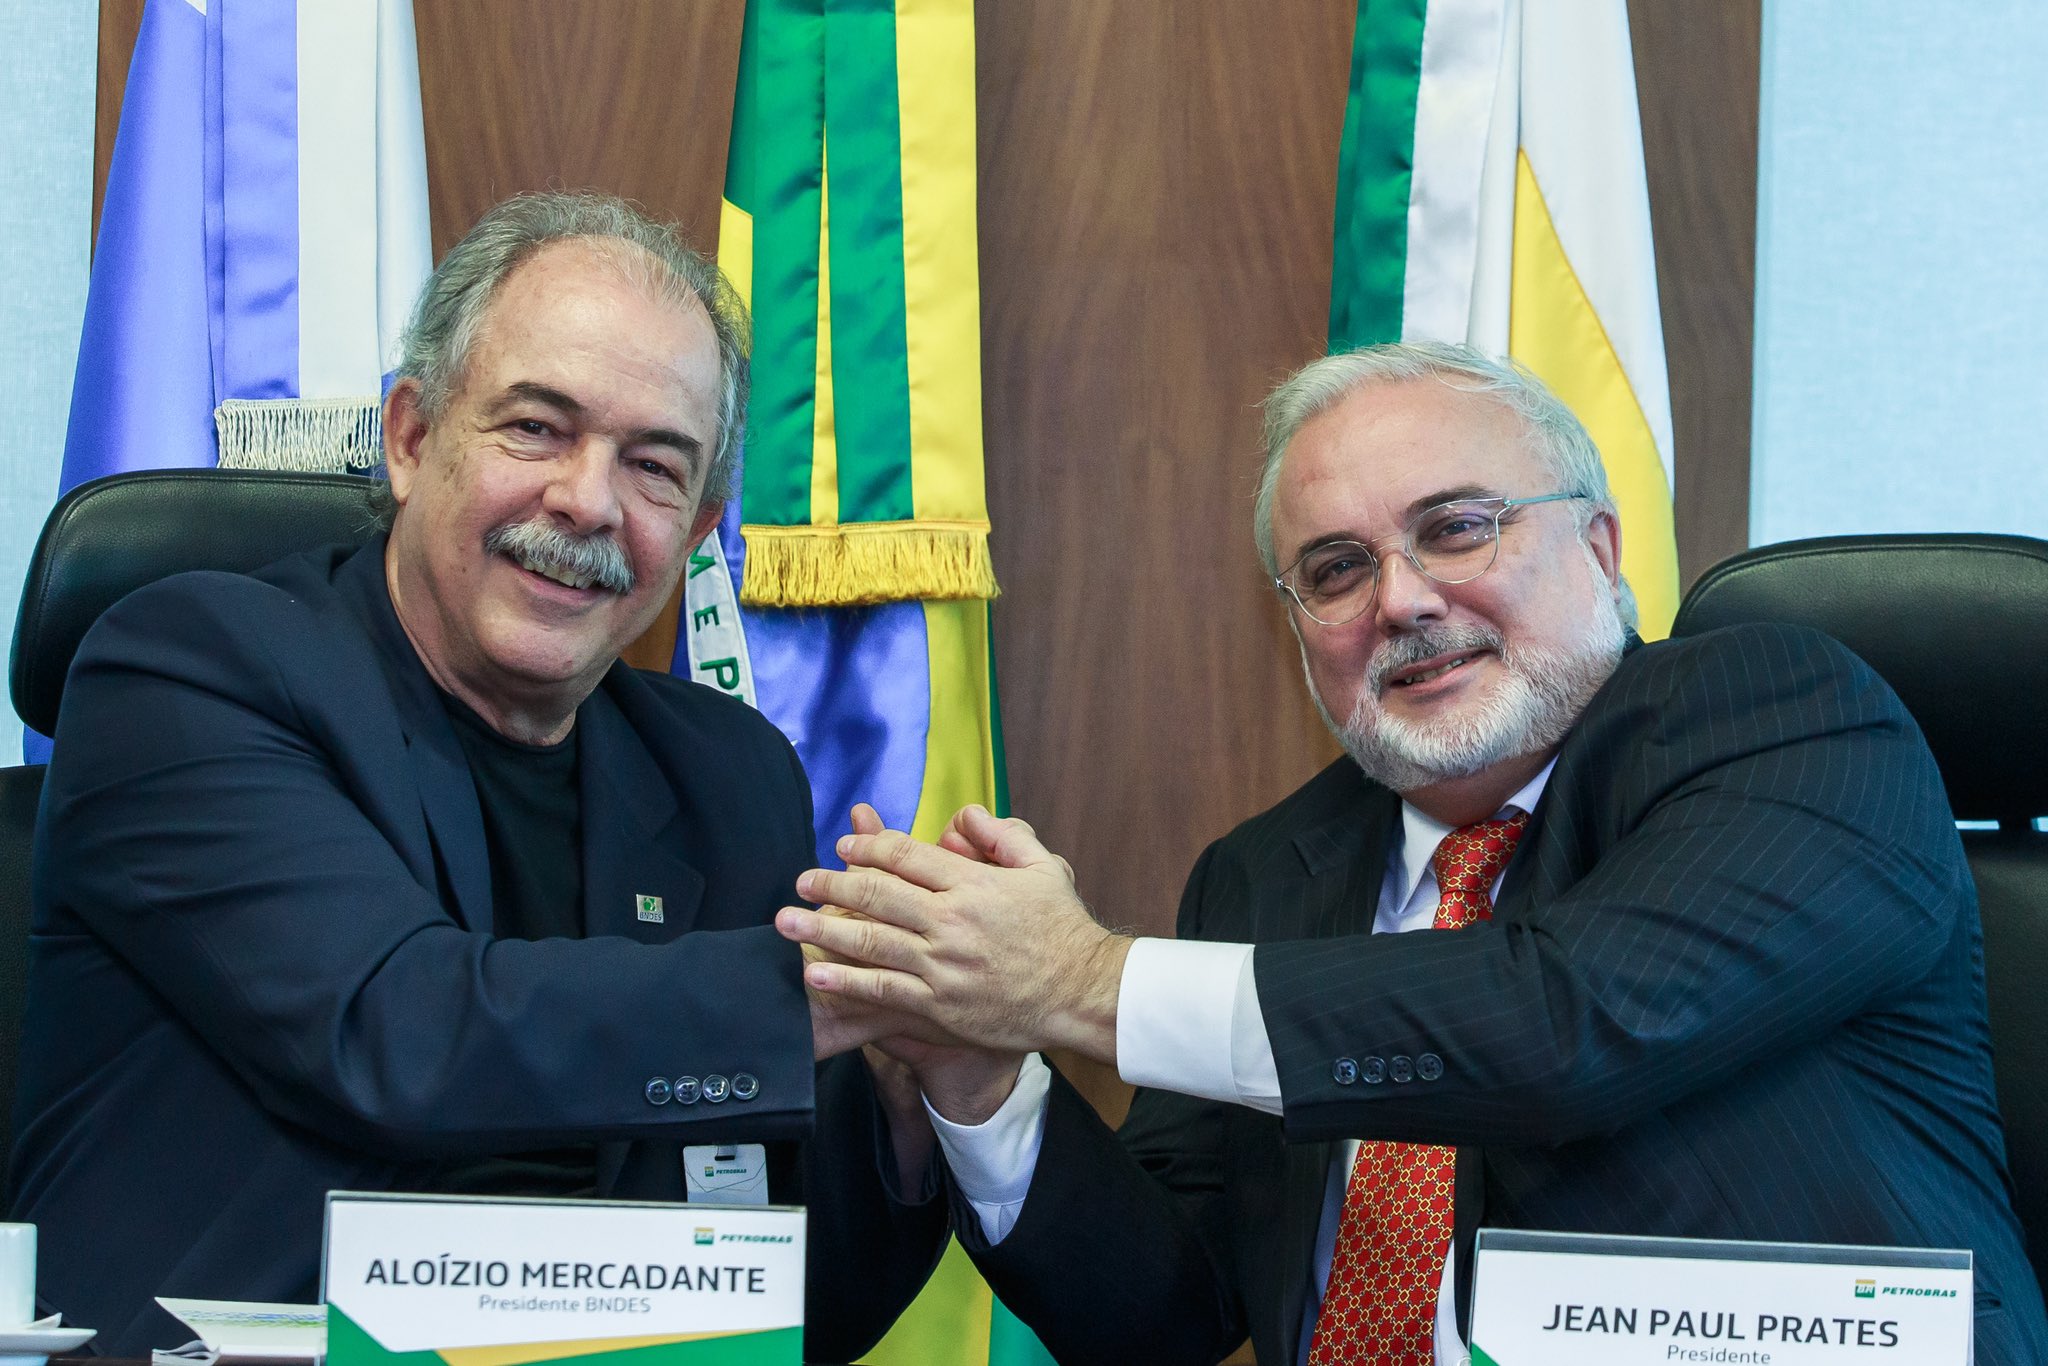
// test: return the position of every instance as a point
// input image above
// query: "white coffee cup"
(17, 1274)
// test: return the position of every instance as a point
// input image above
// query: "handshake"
(955, 958)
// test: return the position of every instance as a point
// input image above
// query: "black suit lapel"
(454, 819)
(448, 802)
(1517, 882)
(1344, 862)
(1516, 878)
(633, 842)
(637, 884)
(1332, 888)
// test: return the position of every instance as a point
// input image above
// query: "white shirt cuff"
(992, 1161)
(1188, 1020)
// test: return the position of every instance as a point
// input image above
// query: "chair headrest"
(111, 536)
(1957, 624)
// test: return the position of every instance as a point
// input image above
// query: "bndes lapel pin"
(649, 908)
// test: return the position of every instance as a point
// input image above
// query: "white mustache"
(1405, 652)
(596, 558)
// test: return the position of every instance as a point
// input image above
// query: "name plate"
(486, 1282)
(1568, 1299)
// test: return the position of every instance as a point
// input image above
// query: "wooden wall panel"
(1155, 249)
(1155, 252)
(629, 96)
(1696, 73)
(120, 21)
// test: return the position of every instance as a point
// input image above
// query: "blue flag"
(263, 235)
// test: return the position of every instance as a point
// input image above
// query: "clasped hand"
(982, 936)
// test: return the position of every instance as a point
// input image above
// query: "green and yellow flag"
(852, 169)
(1491, 190)
(861, 545)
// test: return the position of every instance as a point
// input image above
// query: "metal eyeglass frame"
(1407, 538)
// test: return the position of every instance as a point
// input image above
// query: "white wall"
(46, 112)
(1902, 269)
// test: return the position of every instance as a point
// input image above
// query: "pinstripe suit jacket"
(1733, 987)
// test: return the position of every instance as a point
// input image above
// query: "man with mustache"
(378, 870)
(1714, 971)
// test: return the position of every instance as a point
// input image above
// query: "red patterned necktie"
(1379, 1308)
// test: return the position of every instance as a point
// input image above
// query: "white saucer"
(34, 1341)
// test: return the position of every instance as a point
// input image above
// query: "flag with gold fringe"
(1491, 189)
(264, 232)
(864, 474)
(860, 543)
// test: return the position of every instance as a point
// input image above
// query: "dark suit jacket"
(1733, 988)
(262, 965)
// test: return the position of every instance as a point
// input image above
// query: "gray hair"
(1556, 433)
(451, 309)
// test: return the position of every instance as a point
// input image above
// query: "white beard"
(1538, 698)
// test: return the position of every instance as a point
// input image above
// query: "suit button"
(1429, 1066)
(716, 1089)
(658, 1091)
(1401, 1067)
(745, 1086)
(687, 1090)
(1373, 1071)
(1344, 1071)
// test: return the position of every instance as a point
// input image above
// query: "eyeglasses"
(1453, 542)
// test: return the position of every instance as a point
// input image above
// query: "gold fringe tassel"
(862, 563)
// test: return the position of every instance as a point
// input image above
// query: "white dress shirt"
(1188, 1020)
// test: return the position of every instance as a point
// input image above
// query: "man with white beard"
(1715, 971)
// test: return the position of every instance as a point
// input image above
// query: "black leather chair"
(1958, 625)
(105, 539)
